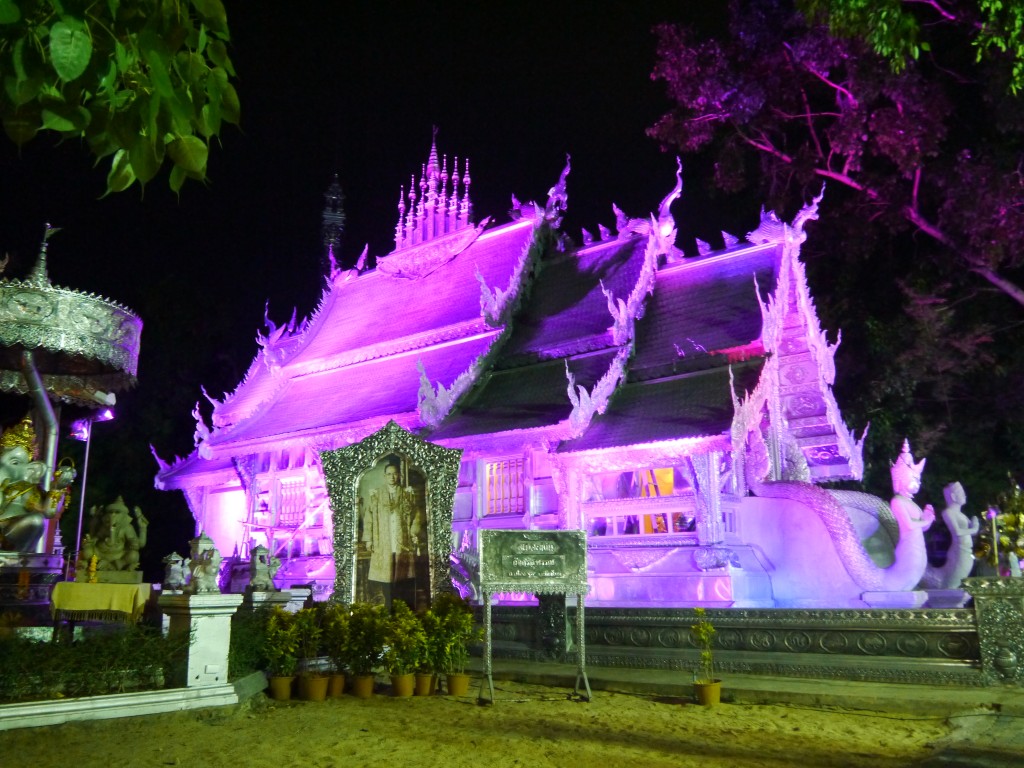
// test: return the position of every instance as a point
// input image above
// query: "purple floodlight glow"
(104, 414)
(80, 429)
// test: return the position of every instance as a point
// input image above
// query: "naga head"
(906, 475)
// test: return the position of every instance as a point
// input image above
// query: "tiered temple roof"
(466, 332)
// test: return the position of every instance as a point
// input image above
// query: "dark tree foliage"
(916, 255)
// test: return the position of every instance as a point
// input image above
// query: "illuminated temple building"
(608, 386)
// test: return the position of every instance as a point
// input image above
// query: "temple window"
(648, 501)
(504, 487)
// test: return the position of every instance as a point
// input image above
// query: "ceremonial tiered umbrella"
(61, 344)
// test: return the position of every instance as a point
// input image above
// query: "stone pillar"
(208, 618)
(999, 611)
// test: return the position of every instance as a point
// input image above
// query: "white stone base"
(947, 598)
(36, 713)
(208, 618)
(909, 599)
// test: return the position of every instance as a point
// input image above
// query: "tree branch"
(910, 213)
(835, 86)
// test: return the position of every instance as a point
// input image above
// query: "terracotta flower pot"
(425, 684)
(458, 684)
(708, 694)
(281, 687)
(313, 687)
(336, 685)
(403, 685)
(362, 686)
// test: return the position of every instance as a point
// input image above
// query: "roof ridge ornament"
(431, 211)
(558, 196)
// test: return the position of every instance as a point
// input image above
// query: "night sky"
(352, 89)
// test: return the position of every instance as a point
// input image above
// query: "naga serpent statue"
(909, 555)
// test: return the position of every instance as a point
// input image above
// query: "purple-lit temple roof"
(567, 313)
(703, 313)
(376, 316)
(318, 403)
(686, 406)
(522, 398)
(652, 367)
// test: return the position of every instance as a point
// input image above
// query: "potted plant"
(309, 632)
(281, 648)
(707, 688)
(453, 632)
(335, 626)
(367, 628)
(405, 647)
(433, 654)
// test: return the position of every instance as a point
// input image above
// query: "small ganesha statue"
(262, 568)
(175, 578)
(204, 565)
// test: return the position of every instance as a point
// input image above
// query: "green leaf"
(9, 12)
(70, 48)
(121, 175)
(213, 15)
(230, 108)
(18, 59)
(22, 126)
(189, 153)
(22, 91)
(177, 178)
(209, 119)
(66, 120)
(218, 53)
(159, 65)
(144, 159)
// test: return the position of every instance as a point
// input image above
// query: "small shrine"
(675, 406)
(56, 345)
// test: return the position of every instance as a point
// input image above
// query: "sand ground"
(528, 725)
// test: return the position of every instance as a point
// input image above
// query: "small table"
(77, 601)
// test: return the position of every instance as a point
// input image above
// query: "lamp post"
(81, 429)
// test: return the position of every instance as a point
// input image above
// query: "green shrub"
(247, 653)
(106, 660)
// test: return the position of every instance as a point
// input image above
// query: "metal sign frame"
(539, 563)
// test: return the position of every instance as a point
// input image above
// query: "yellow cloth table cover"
(76, 601)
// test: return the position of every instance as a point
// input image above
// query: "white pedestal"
(255, 600)
(208, 617)
(947, 598)
(909, 599)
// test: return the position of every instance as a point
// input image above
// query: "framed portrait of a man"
(391, 499)
(392, 546)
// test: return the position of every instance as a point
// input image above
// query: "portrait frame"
(344, 469)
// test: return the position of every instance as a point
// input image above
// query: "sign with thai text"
(536, 562)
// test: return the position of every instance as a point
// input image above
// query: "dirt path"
(527, 726)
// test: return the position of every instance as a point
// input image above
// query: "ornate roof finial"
(39, 274)
(466, 209)
(333, 223)
(432, 166)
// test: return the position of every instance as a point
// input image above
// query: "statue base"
(947, 598)
(110, 577)
(909, 599)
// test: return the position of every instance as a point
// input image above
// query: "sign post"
(539, 563)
